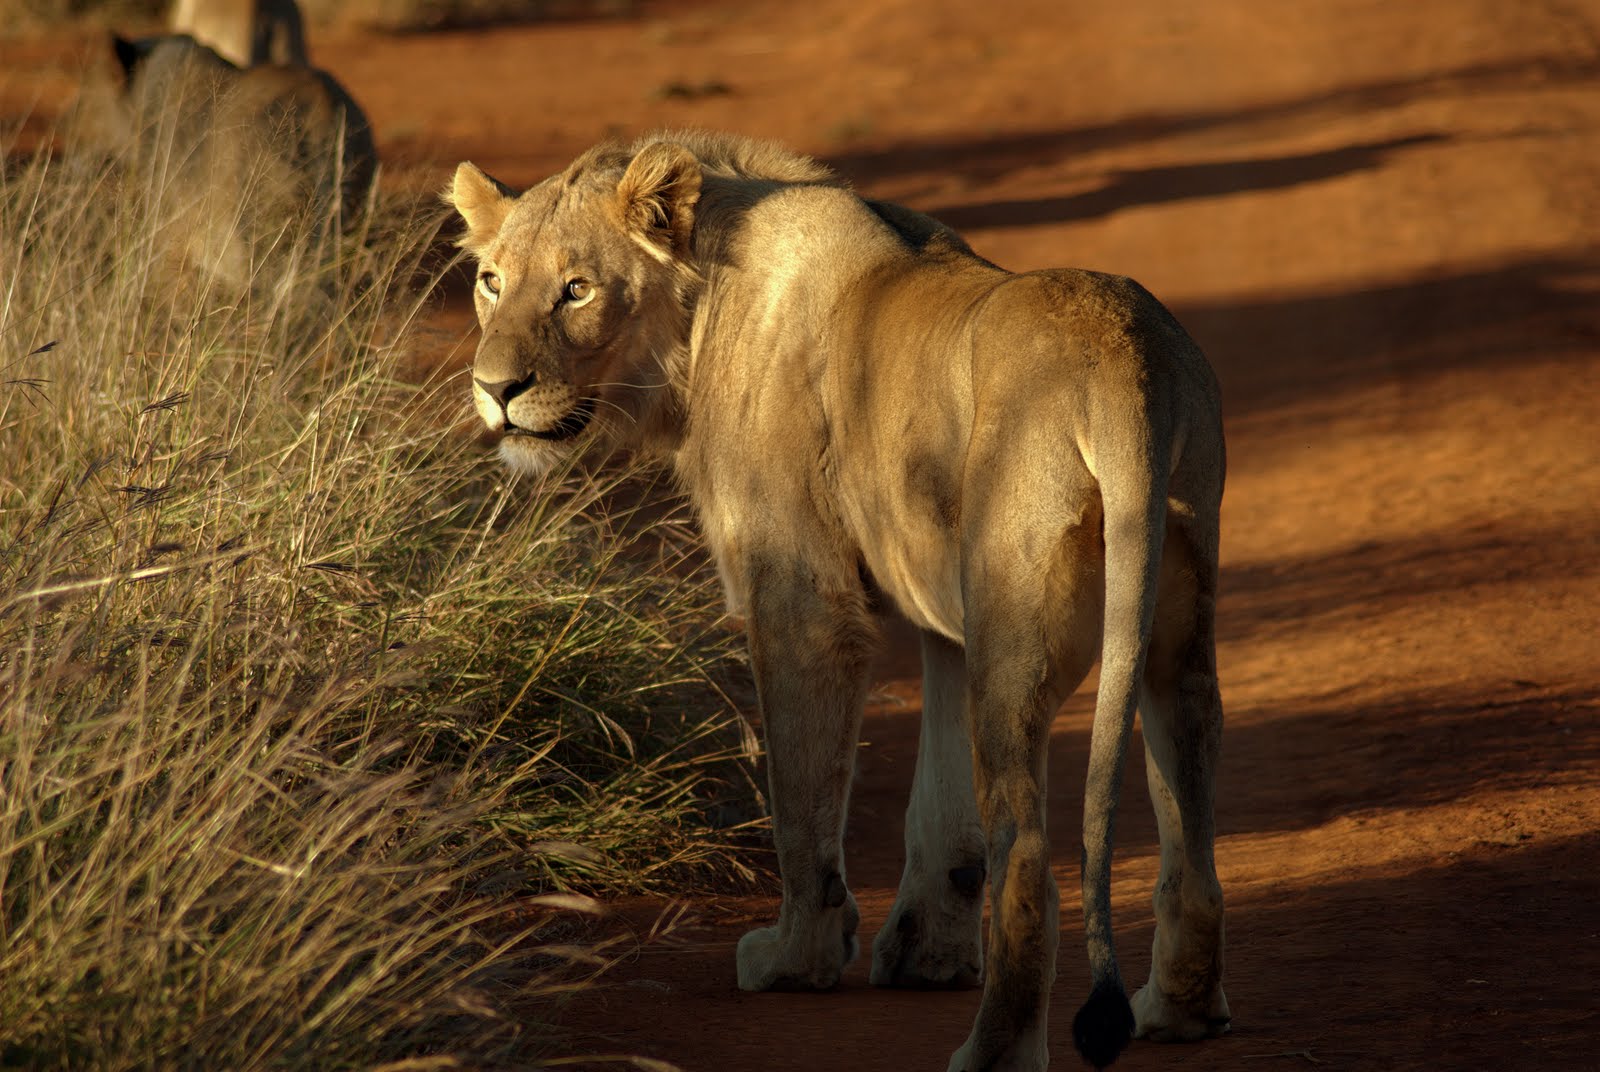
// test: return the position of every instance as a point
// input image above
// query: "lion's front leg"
(810, 650)
(934, 934)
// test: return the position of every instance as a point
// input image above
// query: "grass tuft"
(311, 719)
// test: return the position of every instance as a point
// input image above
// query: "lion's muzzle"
(527, 407)
(568, 427)
(521, 391)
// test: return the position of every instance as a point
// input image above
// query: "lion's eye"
(578, 292)
(489, 285)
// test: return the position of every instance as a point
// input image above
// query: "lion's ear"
(482, 201)
(129, 55)
(657, 197)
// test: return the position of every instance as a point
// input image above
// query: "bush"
(297, 690)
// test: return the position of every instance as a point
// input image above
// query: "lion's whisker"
(632, 418)
(634, 386)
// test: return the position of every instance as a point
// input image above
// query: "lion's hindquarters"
(265, 160)
(1110, 394)
(1030, 553)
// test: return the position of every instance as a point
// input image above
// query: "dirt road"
(1382, 222)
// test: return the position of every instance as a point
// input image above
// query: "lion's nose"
(503, 391)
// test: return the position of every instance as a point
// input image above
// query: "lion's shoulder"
(290, 135)
(311, 98)
(305, 116)
(920, 232)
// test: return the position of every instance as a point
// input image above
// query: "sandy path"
(1382, 221)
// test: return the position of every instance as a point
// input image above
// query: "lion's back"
(299, 119)
(227, 157)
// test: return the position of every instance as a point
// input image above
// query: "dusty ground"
(1382, 222)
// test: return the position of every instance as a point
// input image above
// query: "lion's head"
(583, 293)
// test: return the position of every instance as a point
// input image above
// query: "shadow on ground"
(1179, 182)
(1484, 952)
(983, 159)
(1406, 752)
(1347, 586)
(1272, 351)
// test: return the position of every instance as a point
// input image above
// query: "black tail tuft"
(1104, 1026)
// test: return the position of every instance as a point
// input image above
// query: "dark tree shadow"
(1271, 352)
(1409, 751)
(1180, 182)
(985, 159)
(1429, 968)
(1339, 589)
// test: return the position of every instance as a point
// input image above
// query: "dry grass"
(299, 695)
(401, 16)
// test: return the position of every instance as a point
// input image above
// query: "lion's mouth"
(567, 427)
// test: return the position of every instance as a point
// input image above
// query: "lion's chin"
(535, 457)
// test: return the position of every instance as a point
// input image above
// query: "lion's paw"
(909, 952)
(933, 937)
(1026, 1054)
(1160, 1019)
(808, 956)
(961, 1060)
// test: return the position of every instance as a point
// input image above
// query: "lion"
(231, 160)
(864, 411)
(244, 32)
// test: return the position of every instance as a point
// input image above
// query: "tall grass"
(309, 716)
(389, 15)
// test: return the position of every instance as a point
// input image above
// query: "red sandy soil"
(1382, 222)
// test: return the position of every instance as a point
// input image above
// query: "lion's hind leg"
(1029, 646)
(1181, 711)
(1011, 719)
(934, 934)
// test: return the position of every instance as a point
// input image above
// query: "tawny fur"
(1029, 467)
(228, 158)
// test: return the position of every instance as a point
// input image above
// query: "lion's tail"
(1132, 478)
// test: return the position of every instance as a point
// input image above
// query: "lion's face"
(581, 297)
